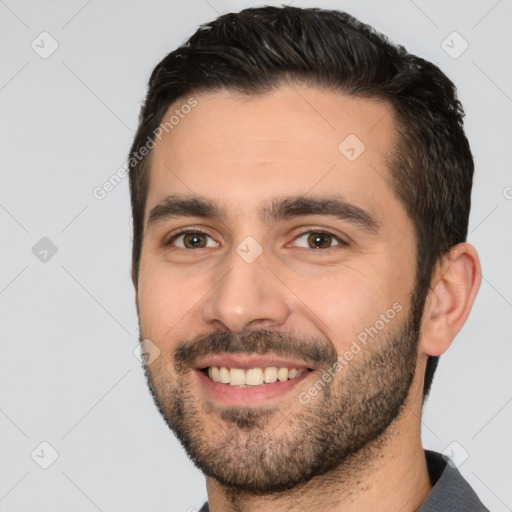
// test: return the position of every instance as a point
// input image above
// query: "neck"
(388, 475)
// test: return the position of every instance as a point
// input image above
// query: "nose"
(249, 295)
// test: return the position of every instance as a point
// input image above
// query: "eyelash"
(199, 231)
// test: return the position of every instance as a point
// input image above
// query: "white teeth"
(291, 373)
(282, 374)
(223, 375)
(253, 376)
(236, 377)
(270, 374)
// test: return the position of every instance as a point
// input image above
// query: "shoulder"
(450, 490)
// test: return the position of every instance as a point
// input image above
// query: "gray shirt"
(450, 492)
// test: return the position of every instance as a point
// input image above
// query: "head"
(340, 79)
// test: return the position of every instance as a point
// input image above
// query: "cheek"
(162, 300)
(342, 302)
(171, 299)
(352, 299)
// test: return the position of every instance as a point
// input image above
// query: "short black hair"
(257, 49)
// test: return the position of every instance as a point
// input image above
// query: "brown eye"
(320, 240)
(191, 240)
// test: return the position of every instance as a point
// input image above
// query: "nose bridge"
(249, 292)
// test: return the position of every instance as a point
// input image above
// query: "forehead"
(244, 149)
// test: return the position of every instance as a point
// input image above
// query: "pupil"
(193, 239)
(319, 238)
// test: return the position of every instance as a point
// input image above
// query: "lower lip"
(251, 395)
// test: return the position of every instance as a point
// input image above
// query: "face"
(275, 282)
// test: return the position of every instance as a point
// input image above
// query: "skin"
(241, 151)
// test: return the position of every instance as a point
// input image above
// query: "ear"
(453, 289)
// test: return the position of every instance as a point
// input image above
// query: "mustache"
(263, 341)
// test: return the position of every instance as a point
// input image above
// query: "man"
(300, 194)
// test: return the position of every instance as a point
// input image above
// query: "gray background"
(69, 376)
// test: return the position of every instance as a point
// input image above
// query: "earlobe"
(454, 286)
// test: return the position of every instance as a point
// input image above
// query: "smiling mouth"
(252, 376)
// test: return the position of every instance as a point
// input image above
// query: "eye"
(197, 239)
(191, 239)
(320, 239)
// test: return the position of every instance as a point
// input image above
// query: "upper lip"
(247, 361)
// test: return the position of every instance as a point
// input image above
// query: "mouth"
(248, 380)
(252, 376)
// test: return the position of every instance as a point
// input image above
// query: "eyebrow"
(280, 208)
